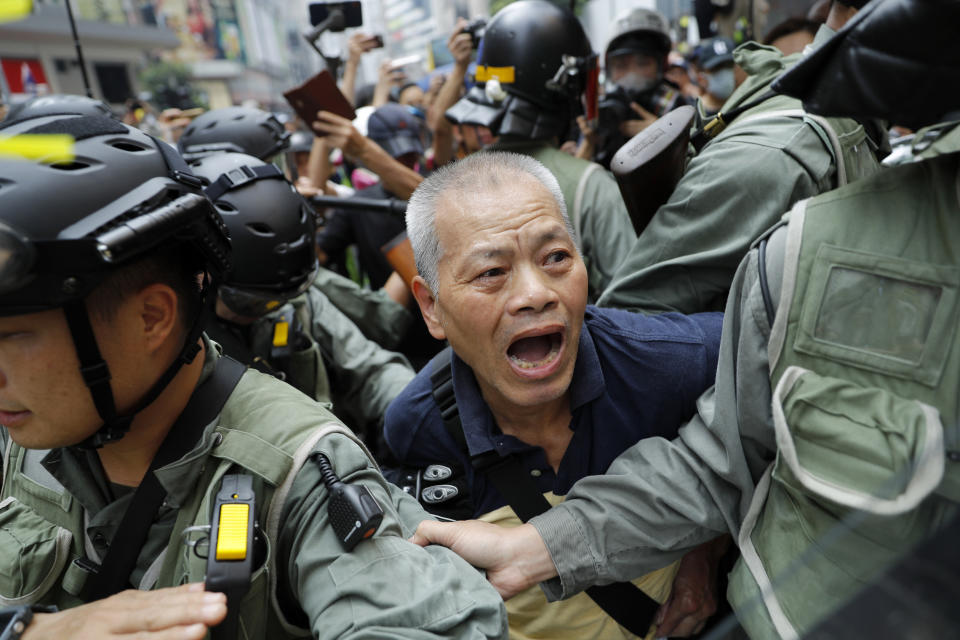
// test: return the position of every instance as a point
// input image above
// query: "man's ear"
(158, 309)
(428, 307)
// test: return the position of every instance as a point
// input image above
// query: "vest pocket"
(858, 447)
(35, 553)
(879, 313)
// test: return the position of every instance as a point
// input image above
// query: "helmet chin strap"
(96, 373)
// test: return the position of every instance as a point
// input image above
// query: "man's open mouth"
(535, 351)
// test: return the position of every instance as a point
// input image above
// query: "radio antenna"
(76, 44)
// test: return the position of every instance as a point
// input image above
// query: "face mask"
(636, 83)
(720, 84)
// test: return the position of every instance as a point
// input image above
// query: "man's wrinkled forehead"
(493, 199)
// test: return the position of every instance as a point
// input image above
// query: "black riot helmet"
(66, 228)
(236, 129)
(895, 59)
(534, 63)
(272, 230)
(57, 104)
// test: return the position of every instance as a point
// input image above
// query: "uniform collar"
(479, 428)
(81, 474)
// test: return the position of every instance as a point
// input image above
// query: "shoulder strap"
(113, 575)
(630, 607)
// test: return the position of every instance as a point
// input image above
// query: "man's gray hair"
(468, 177)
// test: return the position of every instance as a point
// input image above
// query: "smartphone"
(399, 63)
(319, 93)
(352, 12)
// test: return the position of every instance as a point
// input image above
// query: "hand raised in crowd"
(359, 43)
(176, 613)
(340, 133)
(460, 45)
(631, 128)
(515, 558)
(693, 597)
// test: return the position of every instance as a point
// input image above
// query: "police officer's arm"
(663, 497)
(606, 233)
(385, 587)
(176, 613)
(733, 191)
(378, 316)
(365, 377)
(397, 178)
(658, 499)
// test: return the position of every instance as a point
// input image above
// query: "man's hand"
(178, 613)
(515, 557)
(693, 598)
(340, 133)
(358, 44)
(460, 45)
(630, 128)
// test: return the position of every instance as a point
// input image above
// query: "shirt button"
(536, 473)
(954, 456)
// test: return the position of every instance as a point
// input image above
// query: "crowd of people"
(435, 340)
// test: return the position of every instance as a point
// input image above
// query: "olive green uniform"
(58, 506)
(333, 360)
(843, 410)
(737, 187)
(378, 316)
(596, 210)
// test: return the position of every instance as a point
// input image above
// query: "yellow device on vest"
(232, 532)
(281, 333)
(231, 557)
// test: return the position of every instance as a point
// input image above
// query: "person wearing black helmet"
(635, 60)
(828, 446)
(238, 129)
(119, 420)
(270, 314)
(757, 156)
(534, 64)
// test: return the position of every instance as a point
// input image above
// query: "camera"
(613, 109)
(475, 28)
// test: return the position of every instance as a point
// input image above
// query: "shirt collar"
(479, 428)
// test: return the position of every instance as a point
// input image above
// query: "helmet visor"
(250, 302)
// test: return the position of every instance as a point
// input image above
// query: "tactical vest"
(865, 371)
(264, 429)
(283, 338)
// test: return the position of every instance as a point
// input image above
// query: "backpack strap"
(113, 574)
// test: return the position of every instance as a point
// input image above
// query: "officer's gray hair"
(468, 177)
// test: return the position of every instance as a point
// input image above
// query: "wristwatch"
(15, 620)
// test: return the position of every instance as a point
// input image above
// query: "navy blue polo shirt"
(635, 377)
